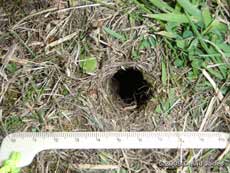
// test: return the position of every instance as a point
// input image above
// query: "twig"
(220, 97)
(6, 59)
(126, 161)
(208, 113)
(55, 10)
(19, 61)
(79, 7)
(61, 40)
(227, 149)
(32, 15)
(219, 94)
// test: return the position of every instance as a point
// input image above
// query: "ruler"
(30, 144)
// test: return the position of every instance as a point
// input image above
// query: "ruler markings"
(32, 143)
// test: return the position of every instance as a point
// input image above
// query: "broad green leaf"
(190, 8)
(225, 47)
(181, 43)
(178, 62)
(171, 26)
(170, 17)
(197, 63)
(187, 34)
(199, 36)
(114, 34)
(219, 26)
(191, 76)
(166, 105)
(193, 44)
(158, 109)
(88, 65)
(215, 25)
(215, 37)
(177, 8)
(172, 96)
(162, 5)
(163, 74)
(207, 18)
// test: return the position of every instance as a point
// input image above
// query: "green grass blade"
(215, 73)
(15, 35)
(190, 8)
(162, 5)
(142, 6)
(163, 74)
(114, 34)
(170, 17)
(215, 54)
(168, 34)
(204, 45)
(206, 15)
(199, 36)
(225, 47)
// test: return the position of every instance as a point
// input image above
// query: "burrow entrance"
(129, 84)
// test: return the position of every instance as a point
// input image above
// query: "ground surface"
(183, 53)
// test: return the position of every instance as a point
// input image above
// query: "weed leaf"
(88, 65)
(215, 26)
(190, 8)
(162, 5)
(207, 18)
(181, 43)
(170, 17)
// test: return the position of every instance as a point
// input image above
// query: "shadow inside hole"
(131, 86)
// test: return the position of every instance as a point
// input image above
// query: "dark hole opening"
(131, 86)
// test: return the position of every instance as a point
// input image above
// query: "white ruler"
(29, 144)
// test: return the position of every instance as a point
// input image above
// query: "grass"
(57, 59)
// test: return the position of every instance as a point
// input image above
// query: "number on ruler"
(119, 139)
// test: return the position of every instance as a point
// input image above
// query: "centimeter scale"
(31, 143)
